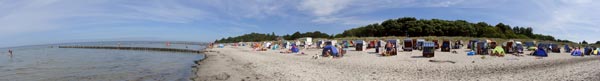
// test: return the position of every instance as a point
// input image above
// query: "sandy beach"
(243, 64)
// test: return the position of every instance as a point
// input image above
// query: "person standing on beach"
(377, 45)
(10, 52)
(168, 44)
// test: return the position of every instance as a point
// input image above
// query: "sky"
(31, 22)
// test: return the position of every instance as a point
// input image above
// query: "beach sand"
(243, 64)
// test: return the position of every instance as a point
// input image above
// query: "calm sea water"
(49, 63)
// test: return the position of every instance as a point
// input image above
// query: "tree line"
(255, 37)
(316, 34)
(411, 27)
(252, 37)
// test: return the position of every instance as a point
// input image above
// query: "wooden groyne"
(136, 48)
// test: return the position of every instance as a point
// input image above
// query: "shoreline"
(195, 68)
(240, 63)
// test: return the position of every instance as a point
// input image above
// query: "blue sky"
(30, 22)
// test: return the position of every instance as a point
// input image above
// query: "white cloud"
(328, 11)
(576, 1)
(575, 20)
(331, 7)
(162, 11)
(343, 11)
(26, 19)
(25, 16)
(49, 14)
(324, 7)
(447, 3)
(344, 20)
(247, 9)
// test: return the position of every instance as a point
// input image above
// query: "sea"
(50, 63)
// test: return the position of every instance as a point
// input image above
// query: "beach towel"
(470, 53)
(221, 46)
(576, 52)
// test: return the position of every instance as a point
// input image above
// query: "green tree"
(410, 26)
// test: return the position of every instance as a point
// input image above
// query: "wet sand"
(243, 64)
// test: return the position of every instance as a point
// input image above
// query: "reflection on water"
(37, 63)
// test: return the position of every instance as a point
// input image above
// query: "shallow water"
(45, 62)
